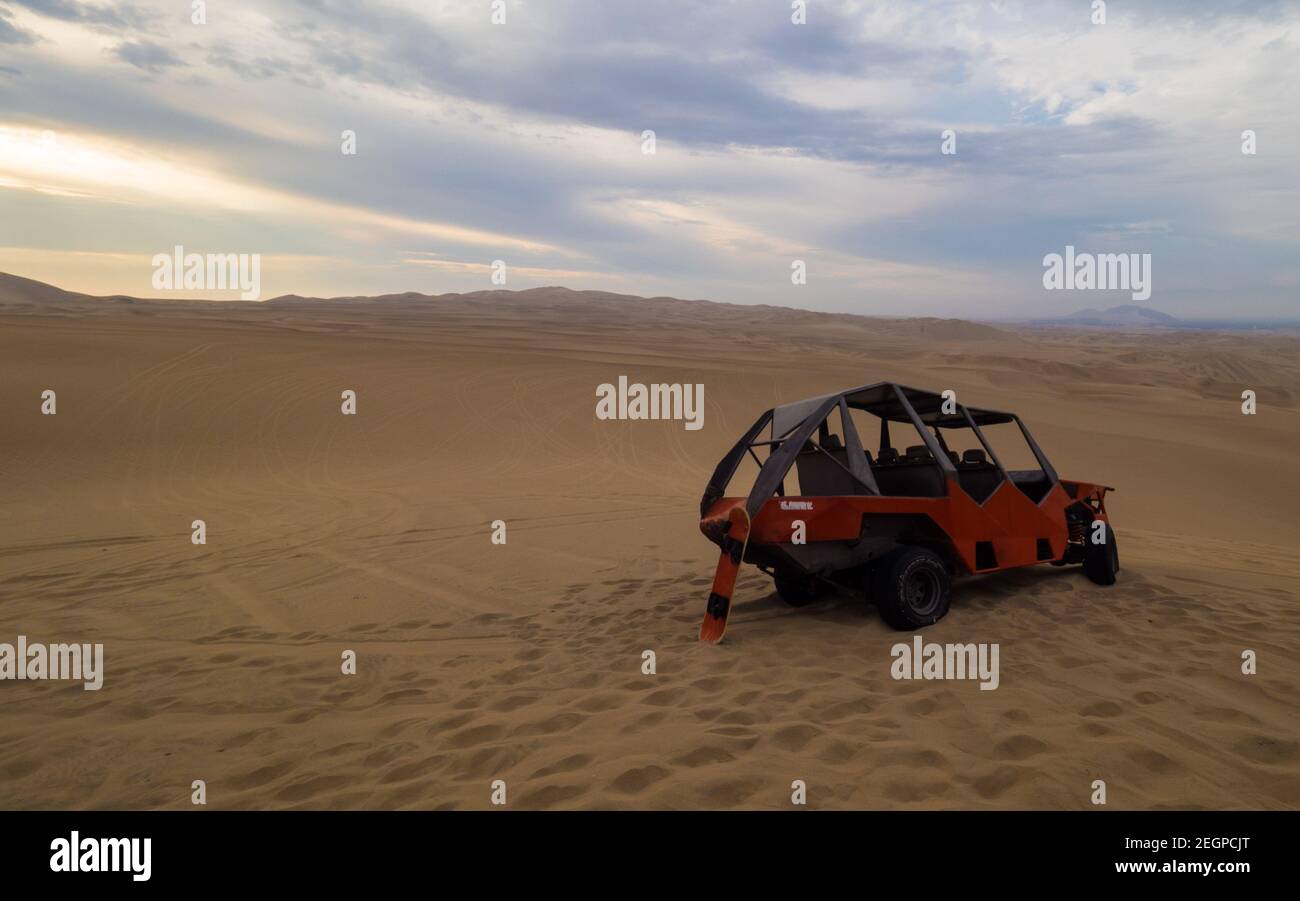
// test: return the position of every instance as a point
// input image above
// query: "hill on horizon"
(19, 294)
(1124, 314)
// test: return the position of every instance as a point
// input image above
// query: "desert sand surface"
(522, 662)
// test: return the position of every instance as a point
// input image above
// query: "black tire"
(799, 590)
(1101, 561)
(912, 588)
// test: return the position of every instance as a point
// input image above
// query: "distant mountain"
(1127, 314)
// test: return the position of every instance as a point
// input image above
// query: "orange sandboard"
(724, 578)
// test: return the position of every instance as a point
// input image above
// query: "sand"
(522, 662)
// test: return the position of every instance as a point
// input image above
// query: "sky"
(127, 129)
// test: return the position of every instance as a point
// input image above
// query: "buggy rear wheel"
(1101, 561)
(799, 590)
(912, 588)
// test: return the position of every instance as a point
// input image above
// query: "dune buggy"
(895, 525)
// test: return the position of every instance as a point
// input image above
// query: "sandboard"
(724, 577)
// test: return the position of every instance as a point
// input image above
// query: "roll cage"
(793, 426)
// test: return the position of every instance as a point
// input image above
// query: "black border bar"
(654, 851)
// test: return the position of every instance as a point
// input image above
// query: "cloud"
(11, 34)
(523, 142)
(118, 16)
(147, 56)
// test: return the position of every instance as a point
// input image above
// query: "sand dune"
(522, 662)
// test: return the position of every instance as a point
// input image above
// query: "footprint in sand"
(301, 791)
(552, 795)
(997, 783)
(796, 737)
(600, 702)
(1154, 761)
(564, 765)
(914, 791)
(1103, 709)
(649, 721)
(414, 770)
(261, 776)
(663, 698)
(1019, 747)
(561, 722)
(387, 754)
(512, 702)
(636, 780)
(475, 735)
(703, 756)
(1266, 749)
(732, 792)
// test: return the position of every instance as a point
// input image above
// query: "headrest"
(952, 455)
(919, 452)
(887, 455)
(974, 455)
(833, 442)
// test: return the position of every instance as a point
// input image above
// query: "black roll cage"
(891, 402)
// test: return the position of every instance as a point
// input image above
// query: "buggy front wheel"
(1101, 561)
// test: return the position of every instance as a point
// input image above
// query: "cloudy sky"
(126, 129)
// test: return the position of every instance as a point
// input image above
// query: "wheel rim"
(921, 592)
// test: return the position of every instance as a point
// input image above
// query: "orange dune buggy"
(898, 525)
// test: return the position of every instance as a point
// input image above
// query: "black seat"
(977, 477)
(825, 473)
(910, 480)
(915, 475)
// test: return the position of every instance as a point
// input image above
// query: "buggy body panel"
(973, 512)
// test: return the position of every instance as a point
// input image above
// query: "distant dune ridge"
(21, 294)
(522, 661)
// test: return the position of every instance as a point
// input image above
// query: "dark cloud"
(116, 17)
(625, 66)
(613, 65)
(147, 55)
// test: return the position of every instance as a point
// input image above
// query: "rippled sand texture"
(523, 662)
